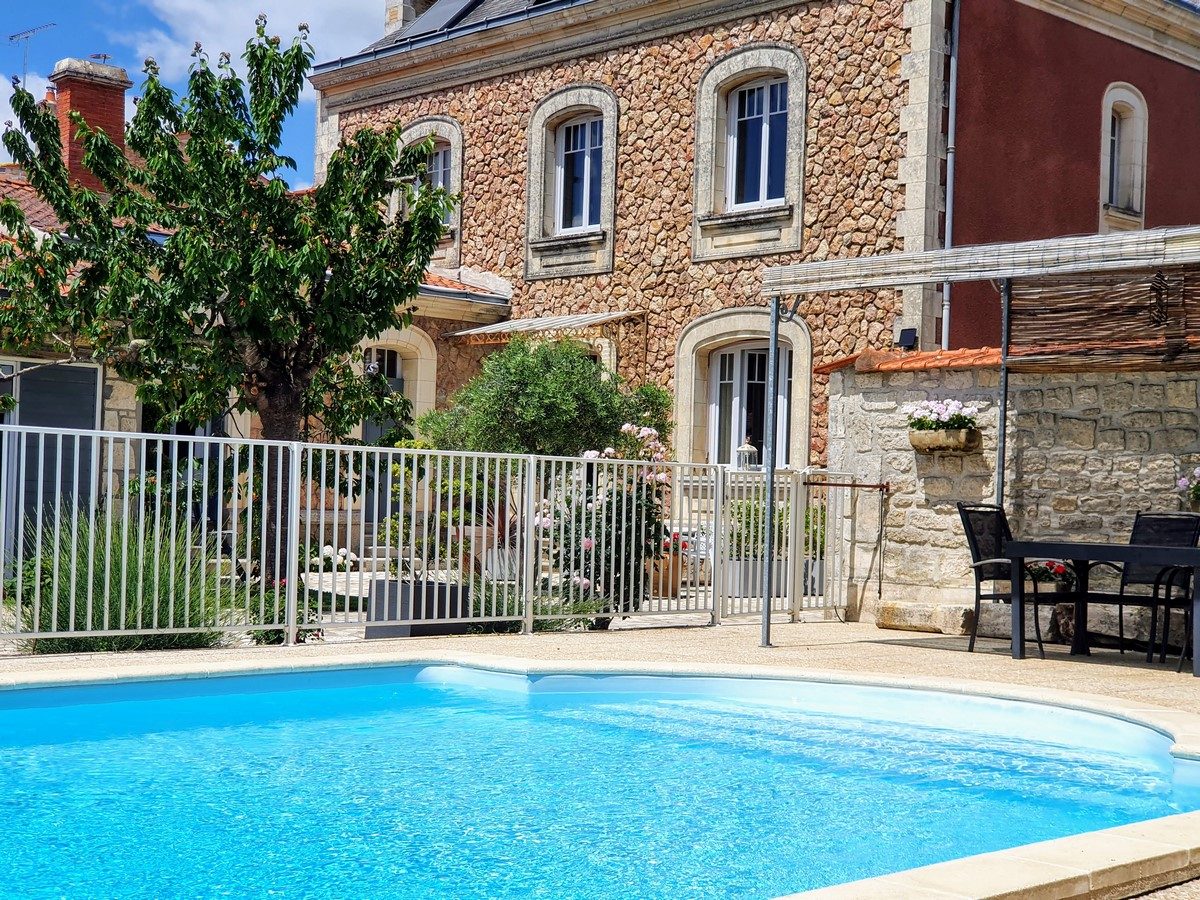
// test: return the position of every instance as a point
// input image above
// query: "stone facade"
(1085, 452)
(853, 146)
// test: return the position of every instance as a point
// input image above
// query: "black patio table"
(1081, 555)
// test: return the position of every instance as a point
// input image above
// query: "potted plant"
(747, 548)
(814, 551)
(1189, 485)
(667, 570)
(1052, 572)
(943, 426)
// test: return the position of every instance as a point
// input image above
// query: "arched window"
(738, 401)
(1123, 159)
(438, 173)
(443, 169)
(721, 387)
(571, 186)
(750, 153)
(386, 363)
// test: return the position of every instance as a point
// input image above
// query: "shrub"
(160, 583)
(549, 398)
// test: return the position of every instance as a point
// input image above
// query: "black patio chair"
(987, 531)
(1167, 529)
(1180, 579)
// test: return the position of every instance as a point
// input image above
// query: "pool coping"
(1116, 862)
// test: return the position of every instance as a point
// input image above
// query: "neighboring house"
(88, 395)
(629, 168)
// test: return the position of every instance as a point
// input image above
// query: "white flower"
(629, 428)
(328, 552)
(591, 454)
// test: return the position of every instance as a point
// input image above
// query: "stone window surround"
(416, 348)
(720, 329)
(551, 255)
(719, 233)
(444, 130)
(1126, 101)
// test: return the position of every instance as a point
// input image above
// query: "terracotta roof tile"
(15, 187)
(920, 361)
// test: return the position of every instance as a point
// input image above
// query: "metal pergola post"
(769, 470)
(1002, 425)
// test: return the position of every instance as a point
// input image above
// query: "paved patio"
(829, 646)
(835, 646)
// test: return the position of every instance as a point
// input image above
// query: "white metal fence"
(120, 534)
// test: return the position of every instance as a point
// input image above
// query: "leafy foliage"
(117, 582)
(548, 398)
(198, 273)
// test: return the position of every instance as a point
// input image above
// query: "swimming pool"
(446, 781)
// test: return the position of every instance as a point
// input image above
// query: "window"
(1114, 156)
(749, 191)
(571, 184)
(437, 174)
(1123, 159)
(580, 168)
(388, 364)
(757, 143)
(738, 402)
(443, 169)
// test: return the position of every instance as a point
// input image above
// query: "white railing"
(118, 534)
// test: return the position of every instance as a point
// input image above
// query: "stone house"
(641, 163)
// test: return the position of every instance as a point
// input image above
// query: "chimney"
(399, 13)
(97, 92)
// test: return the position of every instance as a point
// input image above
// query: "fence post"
(292, 570)
(798, 539)
(716, 567)
(530, 538)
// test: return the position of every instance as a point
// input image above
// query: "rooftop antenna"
(22, 37)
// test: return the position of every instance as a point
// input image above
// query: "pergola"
(1122, 302)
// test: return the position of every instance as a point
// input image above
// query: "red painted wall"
(1030, 91)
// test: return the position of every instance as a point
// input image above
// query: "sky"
(130, 30)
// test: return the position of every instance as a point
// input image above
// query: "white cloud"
(337, 28)
(37, 86)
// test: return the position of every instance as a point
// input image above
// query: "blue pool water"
(445, 782)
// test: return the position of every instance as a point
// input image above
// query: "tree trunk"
(279, 411)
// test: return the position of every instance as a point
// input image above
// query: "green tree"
(198, 274)
(549, 398)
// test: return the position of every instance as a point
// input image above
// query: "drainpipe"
(951, 120)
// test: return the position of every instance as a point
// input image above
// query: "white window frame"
(1123, 160)
(588, 174)
(731, 120)
(439, 171)
(738, 427)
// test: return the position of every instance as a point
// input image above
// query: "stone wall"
(457, 362)
(1085, 452)
(851, 195)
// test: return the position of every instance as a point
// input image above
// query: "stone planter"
(814, 577)
(946, 440)
(411, 601)
(502, 563)
(743, 578)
